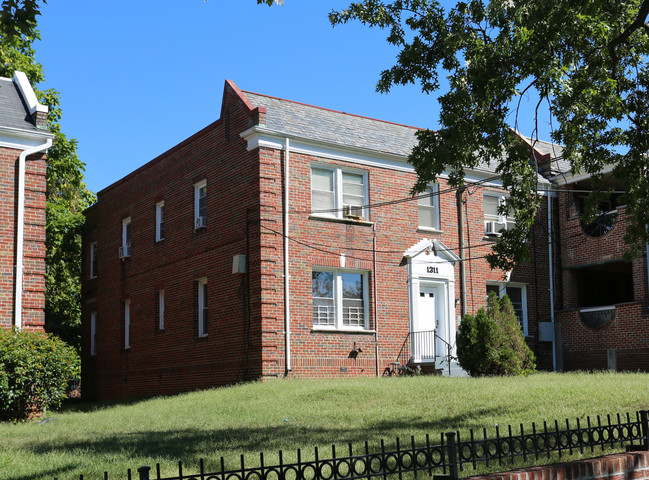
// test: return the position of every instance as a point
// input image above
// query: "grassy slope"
(297, 413)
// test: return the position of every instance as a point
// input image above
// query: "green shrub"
(492, 342)
(35, 369)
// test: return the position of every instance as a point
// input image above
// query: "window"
(159, 221)
(340, 299)
(127, 324)
(495, 221)
(93, 260)
(125, 249)
(93, 334)
(518, 296)
(200, 206)
(428, 208)
(160, 309)
(338, 193)
(202, 307)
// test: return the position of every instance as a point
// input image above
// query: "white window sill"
(350, 221)
(324, 329)
(429, 230)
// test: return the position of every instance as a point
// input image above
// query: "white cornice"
(260, 136)
(567, 179)
(22, 139)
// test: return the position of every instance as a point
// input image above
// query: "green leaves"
(35, 370)
(492, 342)
(585, 59)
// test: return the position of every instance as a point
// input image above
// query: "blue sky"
(137, 77)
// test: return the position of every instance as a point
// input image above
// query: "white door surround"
(431, 270)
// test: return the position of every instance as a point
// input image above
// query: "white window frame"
(127, 237)
(338, 300)
(159, 221)
(127, 324)
(338, 207)
(433, 190)
(197, 198)
(93, 334)
(161, 309)
(502, 290)
(202, 306)
(500, 218)
(93, 260)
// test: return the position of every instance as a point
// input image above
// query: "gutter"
(551, 272)
(20, 231)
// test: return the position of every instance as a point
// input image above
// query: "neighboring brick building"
(24, 141)
(185, 277)
(602, 311)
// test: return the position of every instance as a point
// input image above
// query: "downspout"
(287, 306)
(460, 229)
(20, 232)
(376, 312)
(551, 270)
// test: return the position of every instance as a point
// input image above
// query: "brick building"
(24, 141)
(602, 308)
(282, 240)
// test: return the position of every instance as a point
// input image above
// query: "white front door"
(423, 342)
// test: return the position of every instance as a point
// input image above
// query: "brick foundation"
(622, 466)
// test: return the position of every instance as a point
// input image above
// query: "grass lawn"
(246, 419)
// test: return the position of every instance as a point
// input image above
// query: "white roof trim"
(568, 178)
(26, 90)
(261, 136)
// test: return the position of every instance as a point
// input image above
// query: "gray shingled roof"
(558, 165)
(335, 127)
(339, 128)
(13, 111)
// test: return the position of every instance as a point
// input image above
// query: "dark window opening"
(605, 284)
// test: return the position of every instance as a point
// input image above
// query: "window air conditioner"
(200, 222)
(494, 229)
(352, 211)
(124, 252)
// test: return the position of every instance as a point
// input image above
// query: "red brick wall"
(174, 359)
(584, 347)
(34, 239)
(621, 466)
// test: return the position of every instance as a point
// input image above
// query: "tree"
(492, 342)
(586, 60)
(67, 195)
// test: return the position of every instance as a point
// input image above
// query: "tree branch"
(637, 24)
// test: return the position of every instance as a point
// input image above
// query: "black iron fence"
(448, 459)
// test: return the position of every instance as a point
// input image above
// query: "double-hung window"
(340, 299)
(339, 193)
(160, 309)
(496, 219)
(127, 324)
(93, 260)
(125, 249)
(93, 334)
(202, 307)
(159, 221)
(200, 205)
(517, 293)
(428, 208)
